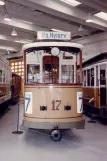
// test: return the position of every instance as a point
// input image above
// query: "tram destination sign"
(53, 35)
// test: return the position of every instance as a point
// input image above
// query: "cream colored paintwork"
(43, 96)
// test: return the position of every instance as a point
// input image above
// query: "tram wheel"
(56, 135)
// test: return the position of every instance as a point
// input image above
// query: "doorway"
(51, 69)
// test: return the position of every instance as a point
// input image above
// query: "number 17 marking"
(54, 106)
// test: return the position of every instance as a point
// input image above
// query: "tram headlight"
(67, 108)
(43, 108)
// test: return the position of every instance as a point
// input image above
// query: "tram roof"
(39, 44)
(97, 59)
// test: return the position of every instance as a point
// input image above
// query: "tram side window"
(33, 73)
(67, 74)
(92, 77)
(0, 75)
(97, 76)
(4, 75)
(88, 77)
(84, 77)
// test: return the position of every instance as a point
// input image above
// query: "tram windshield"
(52, 65)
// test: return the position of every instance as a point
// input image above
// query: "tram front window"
(67, 74)
(44, 65)
(33, 73)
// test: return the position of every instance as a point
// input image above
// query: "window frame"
(60, 63)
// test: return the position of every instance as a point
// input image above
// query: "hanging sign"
(79, 102)
(53, 35)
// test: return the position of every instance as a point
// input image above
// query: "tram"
(95, 86)
(15, 88)
(53, 91)
(5, 84)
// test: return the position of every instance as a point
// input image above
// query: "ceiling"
(29, 16)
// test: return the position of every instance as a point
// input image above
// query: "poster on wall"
(33, 73)
(28, 102)
(79, 102)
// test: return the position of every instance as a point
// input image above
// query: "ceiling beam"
(69, 11)
(44, 22)
(55, 8)
(95, 5)
(8, 48)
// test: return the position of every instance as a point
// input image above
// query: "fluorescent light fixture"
(56, 30)
(17, 40)
(90, 19)
(27, 22)
(23, 21)
(101, 15)
(14, 32)
(73, 3)
(23, 41)
(7, 17)
(2, 3)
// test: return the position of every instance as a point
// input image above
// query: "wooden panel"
(89, 93)
(97, 98)
(45, 96)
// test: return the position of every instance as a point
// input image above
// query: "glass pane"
(67, 74)
(19, 70)
(85, 78)
(33, 73)
(97, 76)
(92, 77)
(0, 75)
(88, 77)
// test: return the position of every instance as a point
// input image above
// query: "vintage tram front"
(53, 91)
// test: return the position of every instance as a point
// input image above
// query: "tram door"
(103, 82)
(51, 69)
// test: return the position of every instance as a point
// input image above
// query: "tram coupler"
(56, 134)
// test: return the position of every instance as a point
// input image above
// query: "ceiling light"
(57, 30)
(90, 19)
(7, 17)
(2, 2)
(17, 40)
(14, 32)
(81, 29)
(71, 2)
(102, 15)
(28, 22)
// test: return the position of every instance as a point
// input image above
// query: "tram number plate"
(56, 104)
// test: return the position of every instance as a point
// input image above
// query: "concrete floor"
(77, 145)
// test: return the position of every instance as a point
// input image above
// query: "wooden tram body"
(53, 97)
(10, 85)
(95, 85)
(15, 88)
(5, 84)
